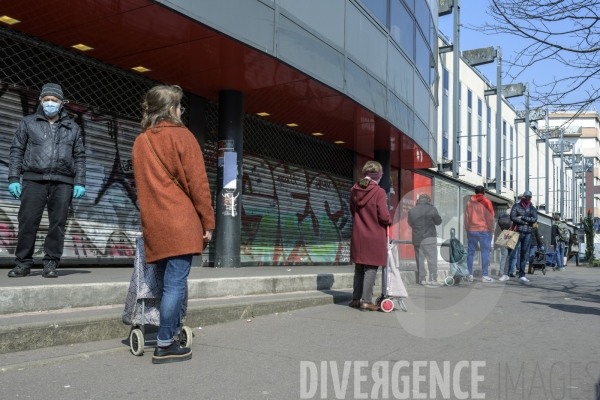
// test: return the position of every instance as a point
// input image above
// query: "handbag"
(575, 248)
(508, 238)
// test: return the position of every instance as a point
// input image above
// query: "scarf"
(375, 176)
(525, 203)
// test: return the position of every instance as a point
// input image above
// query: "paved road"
(503, 341)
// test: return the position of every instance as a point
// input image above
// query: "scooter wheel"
(449, 281)
(387, 305)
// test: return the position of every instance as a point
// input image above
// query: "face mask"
(51, 108)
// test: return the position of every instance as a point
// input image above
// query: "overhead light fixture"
(317, 134)
(263, 114)
(339, 142)
(140, 69)
(82, 47)
(8, 20)
(292, 124)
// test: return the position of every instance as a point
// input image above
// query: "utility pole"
(499, 119)
(526, 137)
(562, 175)
(547, 139)
(456, 84)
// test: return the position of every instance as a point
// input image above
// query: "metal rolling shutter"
(102, 226)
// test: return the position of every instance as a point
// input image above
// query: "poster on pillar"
(412, 185)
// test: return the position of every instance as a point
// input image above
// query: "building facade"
(326, 86)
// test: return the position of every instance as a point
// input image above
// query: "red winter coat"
(479, 216)
(370, 217)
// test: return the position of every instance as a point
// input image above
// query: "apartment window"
(504, 153)
(469, 129)
(511, 157)
(479, 134)
(488, 143)
(402, 27)
(379, 8)
(445, 105)
(459, 120)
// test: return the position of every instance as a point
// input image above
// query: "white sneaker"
(470, 278)
(487, 279)
(523, 279)
(504, 278)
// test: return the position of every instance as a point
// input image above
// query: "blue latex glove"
(15, 190)
(78, 192)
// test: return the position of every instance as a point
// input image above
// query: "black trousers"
(35, 196)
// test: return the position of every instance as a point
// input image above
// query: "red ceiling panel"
(129, 33)
(39, 18)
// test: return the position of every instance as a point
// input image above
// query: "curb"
(40, 335)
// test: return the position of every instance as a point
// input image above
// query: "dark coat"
(504, 222)
(173, 223)
(528, 216)
(422, 219)
(536, 239)
(573, 242)
(41, 156)
(370, 218)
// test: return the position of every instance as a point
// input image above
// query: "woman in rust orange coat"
(175, 206)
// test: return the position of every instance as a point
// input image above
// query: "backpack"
(505, 222)
(563, 233)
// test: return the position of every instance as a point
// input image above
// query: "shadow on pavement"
(572, 308)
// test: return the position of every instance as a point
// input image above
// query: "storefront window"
(379, 9)
(445, 199)
(402, 27)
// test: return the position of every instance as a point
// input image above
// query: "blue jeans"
(525, 243)
(560, 253)
(175, 271)
(514, 257)
(485, 241)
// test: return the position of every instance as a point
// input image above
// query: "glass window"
(504, 153)
(488, 143)
(423, 58)
(411, 4)
(445, 105)
(402, 27)
(469, 129)
(378, 8)
(423, 16)
(511, 157)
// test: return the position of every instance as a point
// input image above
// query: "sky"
(473, 12)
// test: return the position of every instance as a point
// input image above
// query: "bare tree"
(566, 31)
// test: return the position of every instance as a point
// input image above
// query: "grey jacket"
(41, 156)
(528, 216)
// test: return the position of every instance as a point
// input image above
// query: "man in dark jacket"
(524, 215)
(479, 224)
(422, 219)
(48, 151)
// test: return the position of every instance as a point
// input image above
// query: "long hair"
(157, 106)
(371, 167)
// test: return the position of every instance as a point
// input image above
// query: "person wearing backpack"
(524, 215)
(504, 223)
(560, 238)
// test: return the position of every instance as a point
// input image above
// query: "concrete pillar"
(229, 179)
(197, 118)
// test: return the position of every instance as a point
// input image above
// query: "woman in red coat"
(368, 248)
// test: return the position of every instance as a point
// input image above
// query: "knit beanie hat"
(52, 89)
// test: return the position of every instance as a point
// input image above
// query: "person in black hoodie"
(422, 219)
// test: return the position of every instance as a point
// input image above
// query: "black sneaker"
(512, 275)
(50, 269)
(173, 353)
(19, 271)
